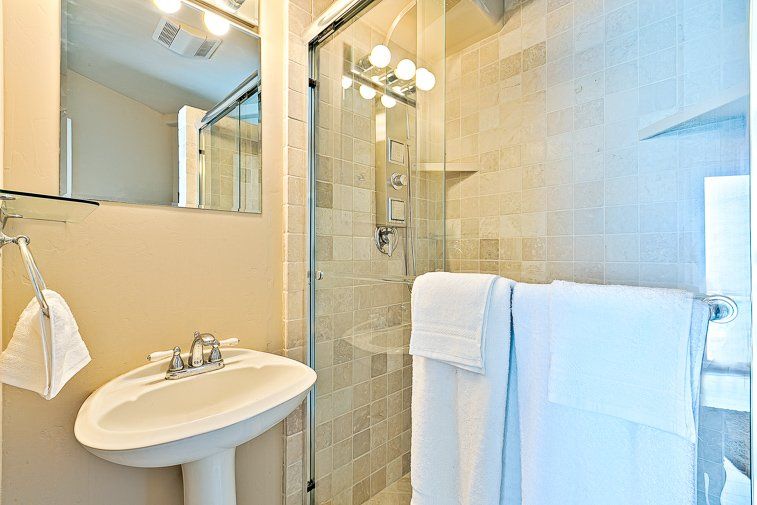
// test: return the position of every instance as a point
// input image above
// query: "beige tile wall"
(550, 110)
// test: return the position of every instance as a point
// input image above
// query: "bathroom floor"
(396, 494)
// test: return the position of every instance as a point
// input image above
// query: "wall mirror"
(161, 102)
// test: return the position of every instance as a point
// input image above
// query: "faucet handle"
(175, 354)
(160, 355)
(215, 352)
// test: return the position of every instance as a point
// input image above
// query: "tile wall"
(550, 109)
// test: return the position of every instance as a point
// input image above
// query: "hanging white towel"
(450, 318)
(576, 457)
(44, 353)
(458, 416)
(623, 351)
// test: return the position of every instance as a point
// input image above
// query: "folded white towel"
(577, 457)
(449, 313)
(458, 416)
(44, 353)
(623, 351)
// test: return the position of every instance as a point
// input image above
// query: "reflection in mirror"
(160, 104)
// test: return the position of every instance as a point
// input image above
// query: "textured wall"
(137, 278)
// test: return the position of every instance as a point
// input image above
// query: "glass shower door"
(367, 178)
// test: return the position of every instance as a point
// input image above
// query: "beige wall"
(137, 278)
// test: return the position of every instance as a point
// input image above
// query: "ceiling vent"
(185, 40)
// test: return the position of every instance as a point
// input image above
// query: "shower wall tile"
(558, 149)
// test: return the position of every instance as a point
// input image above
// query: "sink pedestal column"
(211, 480)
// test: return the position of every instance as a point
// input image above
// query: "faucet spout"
(196, 352)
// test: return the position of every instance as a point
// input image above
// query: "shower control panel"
(392, 179)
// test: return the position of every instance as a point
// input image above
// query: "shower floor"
(396, 494)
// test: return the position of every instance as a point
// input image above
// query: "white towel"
(449, 313)
(44, 353)
(576, 457)
(458, 417)
(623, 351)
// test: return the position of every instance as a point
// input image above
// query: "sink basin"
(140, 419)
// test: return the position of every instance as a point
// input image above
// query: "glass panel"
(368, 179)
(219, 181)
(250, 191)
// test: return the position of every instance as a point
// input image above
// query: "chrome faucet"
(197, 351)
(196, 362)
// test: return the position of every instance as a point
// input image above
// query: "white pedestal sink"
(140, 419)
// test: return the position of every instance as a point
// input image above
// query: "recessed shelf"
(729, 104)
(45, 207)
(450, 167)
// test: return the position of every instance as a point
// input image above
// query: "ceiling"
(111, 43)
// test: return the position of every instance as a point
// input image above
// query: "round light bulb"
(405, 69)
(169, 6)
(380, 56)
(424, 79)
(388, 101)
(367, 92)
(346, 82)
(216, 24)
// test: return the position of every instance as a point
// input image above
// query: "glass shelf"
(46, 207)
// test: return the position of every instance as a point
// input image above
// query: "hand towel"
(623, 351)
(458, 416)
(44, 353)
(577, 457)
(449, 313)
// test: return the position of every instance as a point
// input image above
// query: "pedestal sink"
(140, 419)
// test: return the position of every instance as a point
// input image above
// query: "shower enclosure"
(585, 140)
(230, 151)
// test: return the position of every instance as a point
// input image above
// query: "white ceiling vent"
(185, 40)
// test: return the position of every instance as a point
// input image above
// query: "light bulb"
(367, 92)
(424, 79)
(405, 70)
(380, 56)
(388, 101)
(216, 24)
(169, 6)
(346, 82)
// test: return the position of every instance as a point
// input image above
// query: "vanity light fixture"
(168, 6)
(380, 56)
(216, 24)
(388, 101)
(346, 82)
(367, 92)
(405, 69)
(424, 79)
